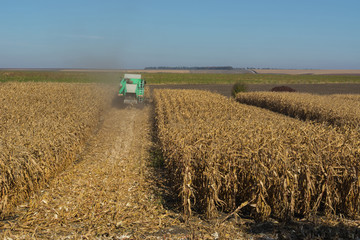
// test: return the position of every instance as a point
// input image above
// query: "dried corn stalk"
(220, 154)
(43, 126)
(339, 110)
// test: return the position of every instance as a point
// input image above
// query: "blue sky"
(319, 34)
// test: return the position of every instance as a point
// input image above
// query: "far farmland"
(180, 77)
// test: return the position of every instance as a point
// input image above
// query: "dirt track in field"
(107, 194)
(225, 89)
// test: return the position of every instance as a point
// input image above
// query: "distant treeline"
(190, 68)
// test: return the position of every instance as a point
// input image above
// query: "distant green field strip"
(59, 76)
(173, 78)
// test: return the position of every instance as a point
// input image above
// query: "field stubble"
(105, 196)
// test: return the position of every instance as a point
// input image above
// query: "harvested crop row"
(43, 126)
(342, 111)
(221, 154)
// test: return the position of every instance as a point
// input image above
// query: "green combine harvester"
(132, 89)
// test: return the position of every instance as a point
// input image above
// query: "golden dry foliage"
(352, 97)
(221, 155)
(339, 110)
(111, 194)
(147, 92)
(43, 127)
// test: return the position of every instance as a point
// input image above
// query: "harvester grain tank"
(132, 89)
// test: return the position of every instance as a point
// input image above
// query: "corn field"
(222, 155)
(43, 128)
(352, 97)
(338, 110)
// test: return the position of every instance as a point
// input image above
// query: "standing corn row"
(221, 154)
(43, 128)
(339, 110)
(352, 97)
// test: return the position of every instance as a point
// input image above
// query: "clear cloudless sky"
(318, 34)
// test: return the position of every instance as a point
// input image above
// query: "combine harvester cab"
(132, 89)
